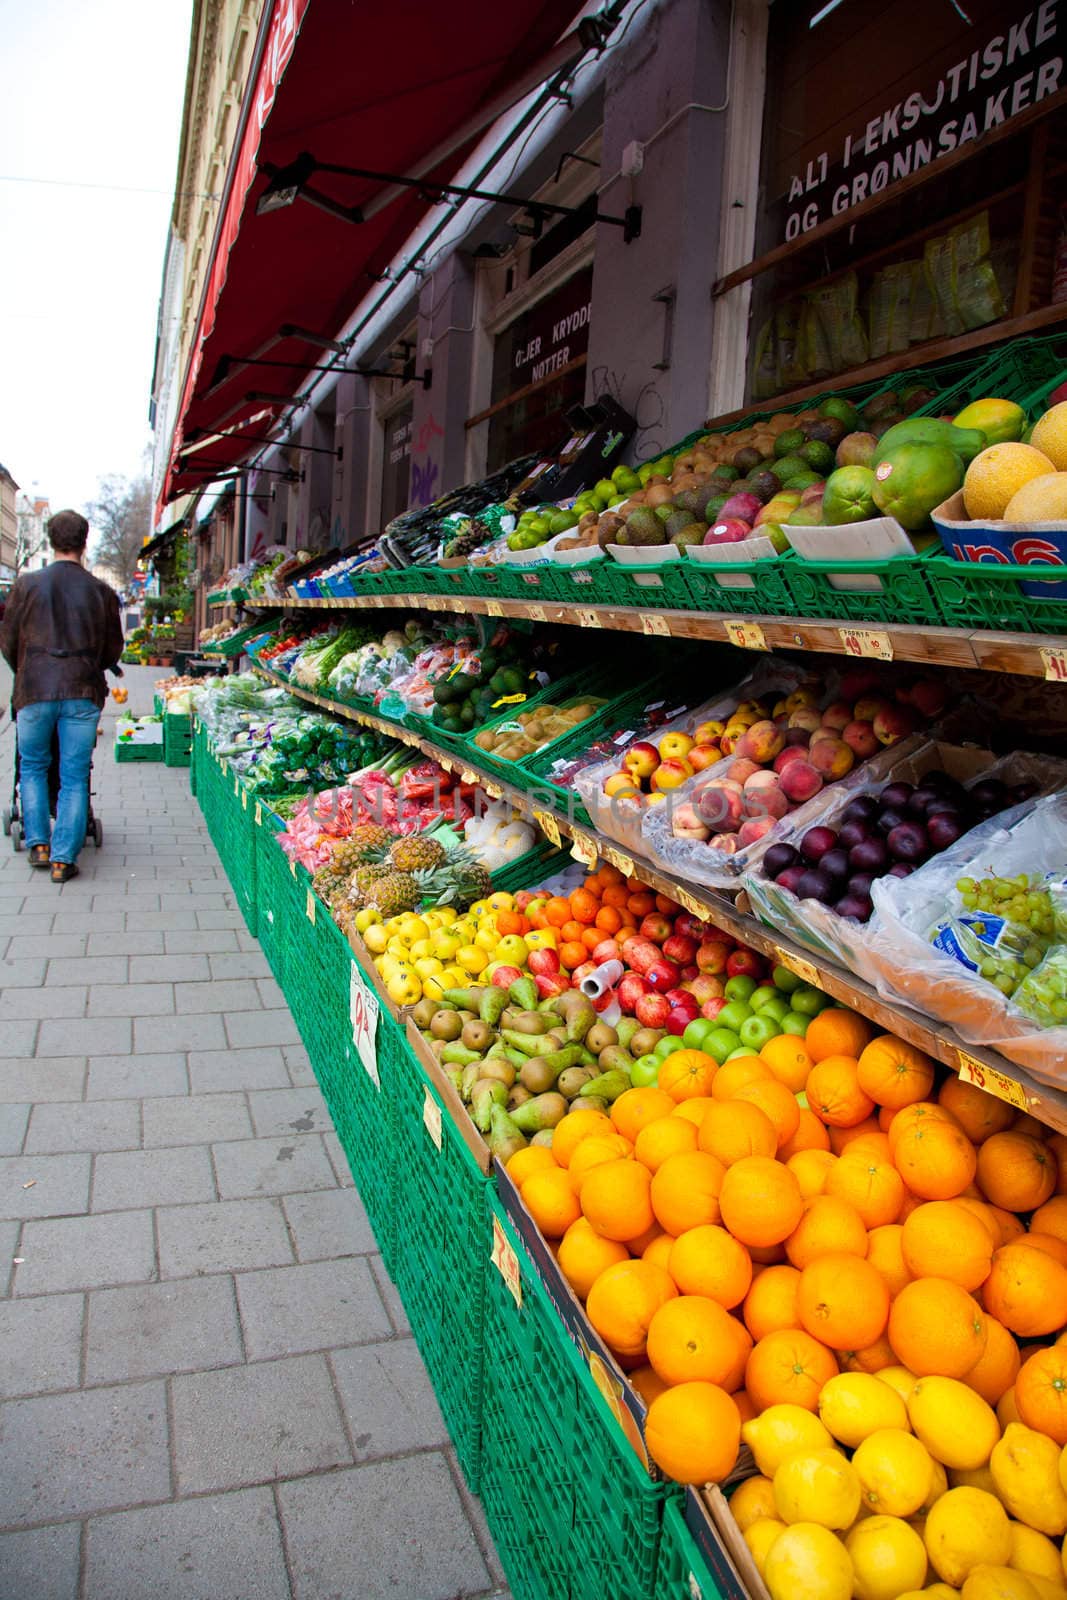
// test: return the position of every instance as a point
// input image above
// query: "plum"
(990, 794)
(909, 842)
(896, 795)
(853, 833)
(778, 857)
(790, 878)
(870, 855)
(1022, 791)
(943, 829)
(860, 884)
(816, 885)
(863, 808)
(892, 817)
(816, 842)
(942, 807)
(921, 801)
(856, 907)
(835, 862)
(900, 869)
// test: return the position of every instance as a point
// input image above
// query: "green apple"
(793, 1022)
(733, 1015)
(694, 1036)
(736, 1055)
(667, 1046)
(739, 988)
(785, 980)
(721, 1043)
(809, 1002)
(762, 996)
(644, 1074)
(758, 1030)
(776, 1008)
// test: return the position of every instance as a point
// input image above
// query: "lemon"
(999, 420)
(855, 1405)
(898, 1378)
(783, 1431)
(894, 1470)
(1045, 1586)
(1025, 1468)
(759, 1536)
(1033, 1552)
(973, 1478)
(808, 1562)
(887, 1557)
(1043, 499)
(967, 1528)
(1050, 435)
(996, 474)
(752, 1501)
(939, 1484)
(933, 1591)
(989, 1582)
(818, 1486)
(956, 1425)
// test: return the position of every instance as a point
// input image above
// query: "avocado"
(789, 442)
(644, 527)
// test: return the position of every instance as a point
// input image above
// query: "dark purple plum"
(1022, 791)
(853, 833)
(891, 818)
(835, 862)
(900, 870)
(943, 829)
(778, 857)
(870, 855)
(990, 795)
(943, 807)
(816, 842)
(896, 795)
(860, 884)
(856, 907)
(862, 809)
(920, 802)
(816, 885)
(790, 878)
(909, 842)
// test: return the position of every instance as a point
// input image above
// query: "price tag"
(536, 613)
(622, 862)
(309, 907)
(548, 826)
(584, 849)
(803, 969)
(363, 1009)
(866, 642)
(236, 784)
(690, 903)
(993, 1082)
(493, 608)
(431, 1116)
(588, 619)
(1055, 665)
(747, 635)
(467, 776)
(435, 602)
(653, 622)
(259, 813)
(506, 1262)
(244, 799)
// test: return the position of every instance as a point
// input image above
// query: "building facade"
(8, 525)
(32, 549)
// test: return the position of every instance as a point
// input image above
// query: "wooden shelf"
(998, 1075)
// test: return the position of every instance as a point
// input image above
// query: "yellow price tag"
(244, 799)
(259, 813)
(493, 608)
(434, 602)
(536, 613)
(1055, 662)
(869, 642)
(309, 907)
(506, 1262)
(804, 970)
(617, 859)
(236, 784)
(993, 1082)
(431, 1117)
(654, 622)
(588, 619)
(584, 849)
(467, 776)
(690, 903)
(548, 826)
(746, 635)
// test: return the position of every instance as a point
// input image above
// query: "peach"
(702, 756)
(755, 829)
(725, 842)
(805, 717)
(741, 768)
(801, 697)
(781, 709)
(832, 758)
(800, 781)
(893, 724)
(719, 803)
(867, 709)
(768, 801)
(820, 734)
(709, 732)
(621, 784)
(838, 715)
(927, 697)
(685, 824)
(762, 742)
(675, 746)
(859, 736)
(669, 774)
(791, 753)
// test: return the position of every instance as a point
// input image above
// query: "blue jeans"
(76, 721)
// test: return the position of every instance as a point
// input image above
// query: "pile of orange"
(751, 1230)
(607, 906)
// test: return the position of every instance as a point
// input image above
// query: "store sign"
(396, 463)
(363, 1009)
(552, 334)
(863, 100)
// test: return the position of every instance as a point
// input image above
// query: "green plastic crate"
(766, 594)
(177, 739)
(560, 1482)
(543, 861)
(683, 1572)
(282, 895)
(578, 585)
(980, 594)
(905, 594)
(1027, 370)
(137, 752)
(661, 585)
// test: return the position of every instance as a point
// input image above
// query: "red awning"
(383, 87)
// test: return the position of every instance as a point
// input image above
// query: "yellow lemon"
(1043, 499)
(808, 1562)
(375, 938)
(856, 1404)
(759, 1536)
(955, 1424)
(973, 1478)
(471, 958)
(898, 1378)
(997, 474)
(753, 1501)
(967, 1528)
(887, 1557)
(1033, 1552)
(783, 1431)
(894, 1470)
(933, 1591)
(939, 1483)
(999, 420)
(819, 1486)
(1025, 1468)
(988, 1582)
(1050, 435)
(1045, 1586)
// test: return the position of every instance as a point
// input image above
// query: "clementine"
(760, 1201)
(843, 1302)
(709, 1261)
(685, 1191)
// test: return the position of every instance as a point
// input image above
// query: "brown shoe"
(39, 855)
(63, 871)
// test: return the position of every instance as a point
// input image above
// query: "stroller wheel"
(7, 820)
(16, 836)
(98, 832)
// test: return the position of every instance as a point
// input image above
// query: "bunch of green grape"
(1043, 994)
(1021, 900)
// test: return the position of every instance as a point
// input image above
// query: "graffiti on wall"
(424, 470)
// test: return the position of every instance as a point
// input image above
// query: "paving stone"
(299, 1066)
(214, 1070)
(51, 946)
(87, 1036)
(227, 1236)
(133, 1000)
(122, 943)
(125, 903)
(402, 1510)
(86, 1252)
(18, 974)
(159, 1328)
(69, 1454)
(13, 1120)
(329, 1224)
(214, 940)
(285, 1111)
(219, 919)
(270, 994)
(44, 1186)
(91, 970)
(272, 1166)
(388, 1400)
(134, 1178)
(20, 1038)
(85, 1125)
(219, 1547)
(338, 1159)
(41, 1563)
(233, 994)
(35, 1078)
(41, 1341)
(390, 1298)
(317, 1307)
(165, 922)
(246, 1425)
(195, 1119)
(41, 1002)
(250, 1029)
(192, 1032)
(19, 925)
(9, 1237)
(85, 922)
(239, 964)
(178, 969)
(136, 1077)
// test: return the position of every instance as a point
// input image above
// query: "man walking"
(61, 631)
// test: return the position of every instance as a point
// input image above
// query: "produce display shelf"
(1031, 655)
(226, 597)
(988, 1067)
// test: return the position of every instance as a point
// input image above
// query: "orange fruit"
(1016, 1171)
(1057, 1143)
(997, 1367)
(841, 1139)
(657, 1250)
(576, 1126)
(609, 920)
(843, 1302)
(936, 1159)
(886, 1254)
(1048, 1242)
(550, 1199)
(571, 954)
(557, 911)
(869, 1142)
(789, 1060)
(1051, 1217)
(834, 1092)
(743, 1401)
(874, 1358)
(687, 1074)
(811, 1134)
(760, 1201)
(837, 1032)
(690, 1339)
(894, 1073)
(920, 1114)
(583, 1255)
(594, 1152)
(568, 932)
(636, 1108)
(868, 1182)
(978, 1113)
(987, 1215)
(935, 1327)
(1007, 1410)
(693, 1432)
(667, 1136)
(623, 1301)
(788, 1368)
(709, 1261)
(1025, 1123)
(733, 1129)
(535, 1158)
(694, 1110)
(685, 1191)
(584, 906)
(1041, 1392)
(647, 1382)
(771, 1303)
(942, 1239)
(733, 1075)
(776, 1101)
(828, 1225)
(1026, 1290)
(615, 894)
(638, 1246)
(1011, 1228)
(615, 1199)
(811, 1168)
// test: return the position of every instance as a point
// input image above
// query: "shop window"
(396, 463)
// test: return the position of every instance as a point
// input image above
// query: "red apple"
(690, 971)
(663, 975)
(586, 970)
(705, 988)
(504, 976)
(639, 953)
(745, 964)
(549, 984)
(680, 948)
(712, 956)
(631, 987)
(655, 927)
(523, 898)
(692, 927)
(543, 961)
(607, 950)
(652, 1010)
(711, 1008)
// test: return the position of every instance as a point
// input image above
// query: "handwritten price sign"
(548, 826)
(536, 613)
(993, 1082)
(866, 642)
(746, 635)
(363, 1009)
(588, 619)
(309, 907)
(494, 608)
(652, 622)
(431, 1117)
(1055, 665)
(506, 1262)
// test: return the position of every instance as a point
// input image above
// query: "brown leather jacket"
(61, 629)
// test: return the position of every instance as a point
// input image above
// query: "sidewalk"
(209, 1388)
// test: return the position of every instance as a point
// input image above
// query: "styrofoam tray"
(877, 539)
(759, 548)
(645, 555)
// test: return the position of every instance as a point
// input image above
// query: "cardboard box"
(1008, 543)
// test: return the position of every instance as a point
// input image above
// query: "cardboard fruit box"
(1040, 544)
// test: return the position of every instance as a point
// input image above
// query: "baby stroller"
(12, 815)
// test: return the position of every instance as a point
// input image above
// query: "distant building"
(8, 525)
(31, 550)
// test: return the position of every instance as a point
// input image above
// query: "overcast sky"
(92, 95)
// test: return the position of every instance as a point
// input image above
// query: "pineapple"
(459, 880)
(360, 845)
(366, 876)
(418, 854)
(328, 881)
(394, 893)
